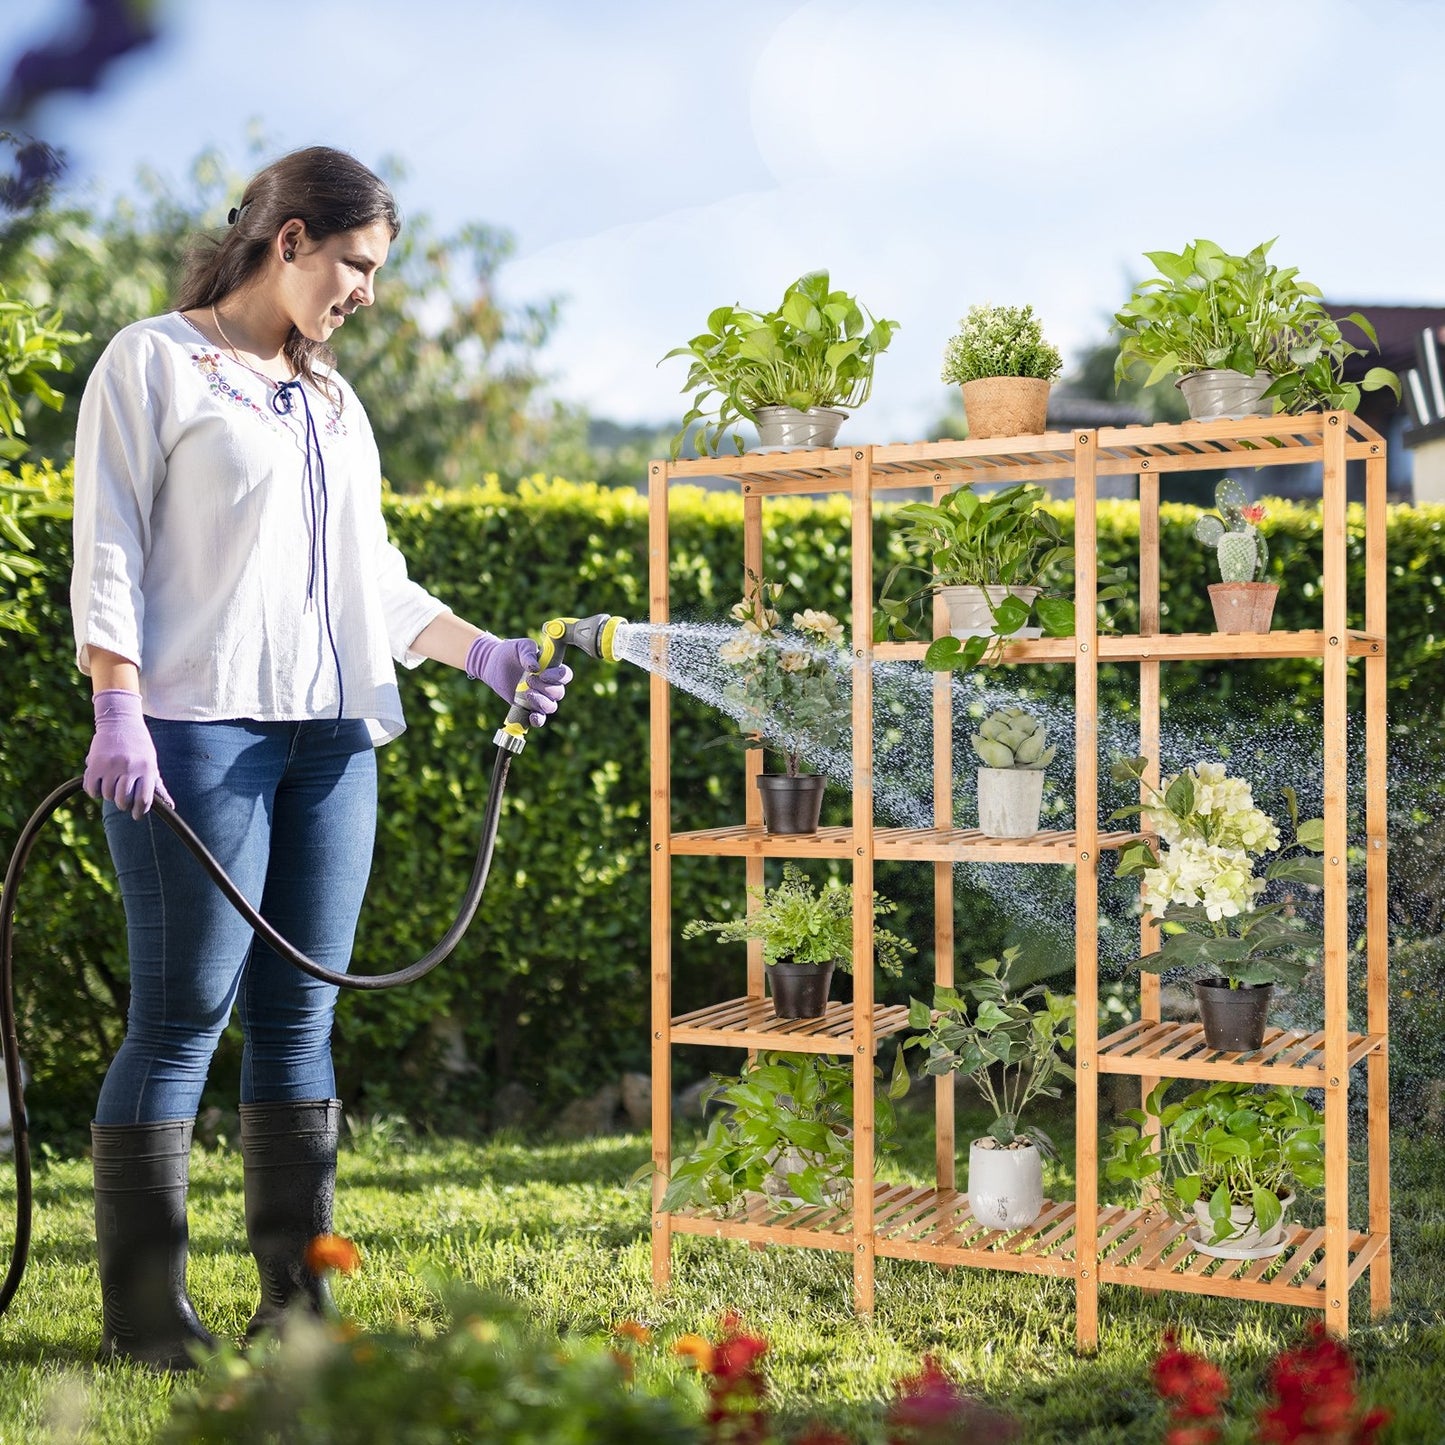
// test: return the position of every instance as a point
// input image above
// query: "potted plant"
(1204, 892)
(806, 932)
(1011, 1045)
(1011, 743)
(787, 693)
(792, 372)
(786, 1135)
(988, 554)
(1230, 1154)
(1004, 368)
(1241, 333)
(1242, 600)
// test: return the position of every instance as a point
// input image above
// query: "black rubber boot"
(141, 1175)
(290, 1155)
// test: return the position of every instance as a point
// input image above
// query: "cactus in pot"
(1243, 601)
(1013, 746)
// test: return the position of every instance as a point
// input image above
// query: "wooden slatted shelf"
(1178, 1050)
(1164, 447)
(1152, 1251)
(1083, 1243)
(1143, 1248)
(1164, 647)
(940, 845)
(750, 1023)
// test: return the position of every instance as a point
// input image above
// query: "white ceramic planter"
(786, 428)
(1005, 1186)
(1217, 395)
(969, 612)
(1248, 1241)
(1009, 801)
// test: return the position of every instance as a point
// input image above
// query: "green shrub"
(487, 1374)
(550, 988)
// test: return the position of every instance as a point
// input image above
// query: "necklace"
(236, 356)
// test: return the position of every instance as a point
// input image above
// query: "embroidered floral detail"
(334, 426)
(208, 363)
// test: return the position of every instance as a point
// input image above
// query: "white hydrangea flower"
(1196, 874)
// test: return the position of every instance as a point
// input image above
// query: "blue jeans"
(289, 810)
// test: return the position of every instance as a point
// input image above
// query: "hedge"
(550, 988)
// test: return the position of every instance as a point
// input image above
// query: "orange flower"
(631, 1330)
(332, 1251)
(696, 1349)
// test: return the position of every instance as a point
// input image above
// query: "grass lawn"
(552, 1224)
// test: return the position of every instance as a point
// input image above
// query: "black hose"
(24, 1198)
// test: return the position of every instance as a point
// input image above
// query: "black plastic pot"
(791, 805)
(1233, 1018)
(800, 990)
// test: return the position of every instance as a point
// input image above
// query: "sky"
(655, 159)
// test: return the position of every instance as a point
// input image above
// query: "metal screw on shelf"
(1335, 421)
(857, 456)
(1334, 1304)
(1083, 647)
(1084, 1064)
(1083, 857)
(1144, 464)
(658, 1034)
(1334, 642)
(1334, 1083)
(1334, 862)
(1083, 439)
(1083, 1274)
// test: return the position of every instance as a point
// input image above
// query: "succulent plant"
(1011, 737)
(1234, 534)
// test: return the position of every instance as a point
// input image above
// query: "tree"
(447, 372)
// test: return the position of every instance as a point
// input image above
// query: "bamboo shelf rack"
(1075, 1239)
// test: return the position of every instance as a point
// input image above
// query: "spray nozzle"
(593, 635)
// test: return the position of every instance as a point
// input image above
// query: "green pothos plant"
(799, 1105)
(1003, 538)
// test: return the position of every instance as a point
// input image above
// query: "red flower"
(1314, 1391)
(930, 1409)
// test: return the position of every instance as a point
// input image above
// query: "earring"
(288, 255)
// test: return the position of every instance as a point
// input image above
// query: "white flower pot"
(969, 612)
(1215, 395)
(1005, 1186)
(787, 428)
(1247, 1241)
(1009, 801)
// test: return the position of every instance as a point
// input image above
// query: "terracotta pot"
(791, 805)
(1243, 606)
(1225, 395)
(799, 990)
(970, 613)
(1234, 1019)
(789, 428)
(1009, 801)
(1005, 1186)
(1005, 406)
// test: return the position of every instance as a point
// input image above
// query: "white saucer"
(1024, 634)
(1195, 1236)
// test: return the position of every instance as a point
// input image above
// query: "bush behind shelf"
(550, 988)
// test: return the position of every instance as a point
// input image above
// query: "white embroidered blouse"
(204, 555)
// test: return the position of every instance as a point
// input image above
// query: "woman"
(238, 608)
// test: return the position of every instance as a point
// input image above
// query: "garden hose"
(592, 635)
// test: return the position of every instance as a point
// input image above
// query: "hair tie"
(236, 213)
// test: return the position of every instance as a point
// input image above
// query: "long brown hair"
(328, 191)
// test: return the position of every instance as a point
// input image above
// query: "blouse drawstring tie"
(283, 404)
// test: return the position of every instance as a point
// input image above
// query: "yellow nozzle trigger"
(606, 643)
(516, 729)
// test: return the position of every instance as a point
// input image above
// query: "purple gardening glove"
(121, 764)
(504, 662)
